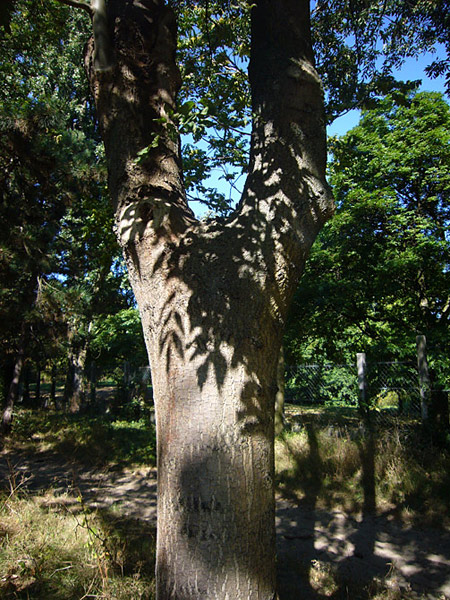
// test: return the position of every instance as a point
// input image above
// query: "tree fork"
(213, 297)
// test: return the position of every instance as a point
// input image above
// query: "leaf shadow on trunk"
(240, 276)
(230, 284)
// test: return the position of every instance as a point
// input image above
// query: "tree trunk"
(213, 297)
(13, 392)
(213, 376)
(53, 386)
(25, 395)
(92, 383)
(37, 395)
(75, 387)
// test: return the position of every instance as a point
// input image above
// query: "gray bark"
(213, 296)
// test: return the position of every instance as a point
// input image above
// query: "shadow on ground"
(312, 544)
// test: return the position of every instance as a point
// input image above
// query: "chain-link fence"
(320, 384)
(392, 389)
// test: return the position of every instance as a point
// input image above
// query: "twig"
(61, 569)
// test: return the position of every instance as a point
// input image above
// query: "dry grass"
(47, 551)
(347, 469)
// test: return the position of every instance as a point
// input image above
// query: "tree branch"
(288, 135)
(77, 4)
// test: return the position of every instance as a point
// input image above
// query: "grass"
(334, 464)
(50, 552)
(54, 547)
(90, 439)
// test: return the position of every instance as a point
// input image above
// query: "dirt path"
(310, 543)
(361, 551)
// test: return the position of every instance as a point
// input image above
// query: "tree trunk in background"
(75, 387)
(25, 386)
(53, 386)
(37, 396)
(13, 392)
(14, 386)
(213, 296)
(92, 383)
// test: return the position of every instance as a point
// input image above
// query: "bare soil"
(310, 543)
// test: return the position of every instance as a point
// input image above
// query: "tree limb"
(77, 4)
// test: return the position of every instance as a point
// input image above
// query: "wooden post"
(92, 383)
(362, 383)
(424, 377)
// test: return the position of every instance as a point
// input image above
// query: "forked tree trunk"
(213, 297)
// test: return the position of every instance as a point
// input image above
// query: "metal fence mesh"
(318, 384)
(392, 387)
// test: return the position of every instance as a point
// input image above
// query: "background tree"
(55, 213)
(379, 273)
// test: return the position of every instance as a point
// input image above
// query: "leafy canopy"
(379, 272)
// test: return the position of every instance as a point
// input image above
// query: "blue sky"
(412, 69)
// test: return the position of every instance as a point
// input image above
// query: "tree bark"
(53, 386)
(37, 395)
(213, 296)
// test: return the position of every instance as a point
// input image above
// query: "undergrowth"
(54, 547)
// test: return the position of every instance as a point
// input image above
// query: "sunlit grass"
(88, 438)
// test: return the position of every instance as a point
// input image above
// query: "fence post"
(424, 377)
(362, 381)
